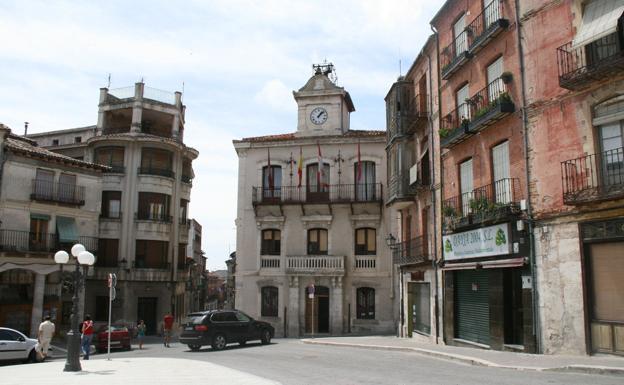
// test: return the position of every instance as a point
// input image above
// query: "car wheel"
(194, 348)
(32, 356)
(218, 342)
(266, 337)
(242, 342)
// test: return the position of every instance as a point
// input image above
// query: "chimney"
(25, 128)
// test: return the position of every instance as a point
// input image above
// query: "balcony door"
(491, 12)
(459, 31)
(67, 188)
(44, 184)
(364, 181)
(502, 181)
(317, 182)
(611, 138)
(495, 83)
(463, 109)
(271, 183)
(466, 182)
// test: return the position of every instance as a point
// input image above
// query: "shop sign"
(483, 242)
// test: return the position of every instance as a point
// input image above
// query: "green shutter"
(44, 217)
(472, 306)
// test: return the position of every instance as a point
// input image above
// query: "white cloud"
(275, 94)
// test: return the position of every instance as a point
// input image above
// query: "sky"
(236, 61)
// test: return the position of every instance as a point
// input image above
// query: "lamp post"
(84, 258)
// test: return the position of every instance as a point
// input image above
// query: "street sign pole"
(112, 281)
(311, 296)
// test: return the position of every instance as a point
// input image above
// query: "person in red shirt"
(87, 335)
(167, 326)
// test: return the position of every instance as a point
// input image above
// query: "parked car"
(120, 338)
(218, 328)
(15, 346)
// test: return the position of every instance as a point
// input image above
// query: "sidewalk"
(147, 371)
(473, 356)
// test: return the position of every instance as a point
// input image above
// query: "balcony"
(339, 193)
(270, 262)
(153, 216)
(484, 108)
(489, 204)
(399, 187)
(331, 265)
(186, 179)
(29, 242)
(483, 28)
(487, 25)
(412, 251)
(144, 264)
(593, 178)
(167, 173)
(57, 192)
(600, 60)
(116, 170)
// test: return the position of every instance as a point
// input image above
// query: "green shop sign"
(483, 242)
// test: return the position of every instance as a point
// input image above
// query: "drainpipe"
(525, 128)
(433, 180)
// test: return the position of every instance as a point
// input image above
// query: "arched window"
(365, 303)
(317, 241)
(269, 301)
(271, 240)
(364, 176)
(365, 241)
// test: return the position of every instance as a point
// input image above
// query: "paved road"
(292, 362)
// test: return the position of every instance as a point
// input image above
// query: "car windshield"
(194, 318)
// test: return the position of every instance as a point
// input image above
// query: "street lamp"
(391, 241)
(84, 258)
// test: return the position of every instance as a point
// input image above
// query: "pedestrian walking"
(46, 332)
(167, 326)
(141, 333)
(87, 336)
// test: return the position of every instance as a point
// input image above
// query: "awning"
(66, 228)
(496, 264)
(600, 19)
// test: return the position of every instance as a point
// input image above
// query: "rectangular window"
(111, 204)
(154, 207)
(269, 301)
(181, 256)
(365, 303)
(183, 211)
(364, 180)
(44, 184)
(317, 242)
(495, 83)
(502, 181)
(155, 160)
(151, 254)
(271, 240)
(108, 252)
(612, 143)
(67, 188)
(466, 184)
(271, 182)
(78, 139)
(38, 239)
(55, 142)
(459, 33)
(110, 156)
(463, 109)
(365, 242)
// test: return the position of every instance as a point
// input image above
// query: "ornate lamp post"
(82, 258)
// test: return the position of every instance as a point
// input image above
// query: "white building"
(301, 226)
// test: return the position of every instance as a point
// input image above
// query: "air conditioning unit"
(413, 174)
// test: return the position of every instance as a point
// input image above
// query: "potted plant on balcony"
(450, 217)
(444, 132)
(506, 77)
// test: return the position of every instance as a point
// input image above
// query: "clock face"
(318, 115)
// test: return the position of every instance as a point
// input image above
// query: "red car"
(120, 338)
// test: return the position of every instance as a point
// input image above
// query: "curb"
(586, 369)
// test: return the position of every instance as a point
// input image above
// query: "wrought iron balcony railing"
(399, 187)
(115, 169)
(485, 107)
(593, 177)
(599, 60)
(489, 203)
(145, 264)
(26, 241)
(146, 215)
(338, 193)
(156, 171)
(57, 192)
(415, 250)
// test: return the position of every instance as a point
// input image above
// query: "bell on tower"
(324, 108)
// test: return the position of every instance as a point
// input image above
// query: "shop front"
(487, 289)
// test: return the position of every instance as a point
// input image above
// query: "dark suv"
(221, 327)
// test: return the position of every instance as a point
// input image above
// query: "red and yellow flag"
(300, 166)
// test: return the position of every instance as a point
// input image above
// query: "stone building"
(575, 112)
(488, 292)
(48, 202)
(143, 228)
(413, 196)
(310, 250)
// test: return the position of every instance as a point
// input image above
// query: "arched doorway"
(317, 310)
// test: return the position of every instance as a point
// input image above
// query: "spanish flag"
(300, 166)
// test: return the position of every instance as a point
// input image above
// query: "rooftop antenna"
(400, 70)
(109, 76)
(182, 91)
(25, 128)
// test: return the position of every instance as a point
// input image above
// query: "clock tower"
(323, 107)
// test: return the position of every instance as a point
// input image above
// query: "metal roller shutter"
(472, 308)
